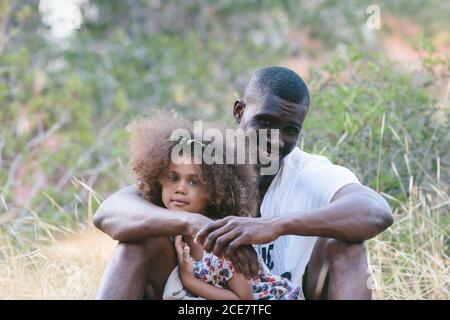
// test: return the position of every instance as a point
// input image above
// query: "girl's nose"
(181, 187)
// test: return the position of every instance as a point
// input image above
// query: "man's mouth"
(270, 155)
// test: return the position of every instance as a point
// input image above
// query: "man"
(315, 216)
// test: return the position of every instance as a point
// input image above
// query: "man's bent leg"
(337, 270)
(160, 269)
(126, 275)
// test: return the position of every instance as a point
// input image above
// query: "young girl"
(214, 190)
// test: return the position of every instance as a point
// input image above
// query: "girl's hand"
(239, 288)
(184, 260)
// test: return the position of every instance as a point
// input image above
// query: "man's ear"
(238, 110)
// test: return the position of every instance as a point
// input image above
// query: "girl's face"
(183, 188)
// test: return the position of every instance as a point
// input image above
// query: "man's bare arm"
(127, 217)
(356, 213)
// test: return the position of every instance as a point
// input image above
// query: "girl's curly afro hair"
(232, 187)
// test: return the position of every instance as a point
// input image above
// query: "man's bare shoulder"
(128, 190)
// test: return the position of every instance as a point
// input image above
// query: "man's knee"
(143, 251)
(341, 251)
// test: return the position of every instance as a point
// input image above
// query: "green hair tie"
(187, 141)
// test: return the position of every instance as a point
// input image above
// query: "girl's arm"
(239, 287)
(240, 290)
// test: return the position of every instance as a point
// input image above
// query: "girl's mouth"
(179, 202)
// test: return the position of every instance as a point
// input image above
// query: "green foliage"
(64, 106)
(346, 116)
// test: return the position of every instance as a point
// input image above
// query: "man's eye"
(291, 131)
(265, 123)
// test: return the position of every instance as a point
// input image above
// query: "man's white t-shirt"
(303, 183)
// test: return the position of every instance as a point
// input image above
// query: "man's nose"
(273, 143)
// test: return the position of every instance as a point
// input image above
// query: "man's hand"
(245, 261)
(224, 236)
(233, 237)
(195, 222)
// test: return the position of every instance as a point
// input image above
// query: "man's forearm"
(126, 216)
(352, 218)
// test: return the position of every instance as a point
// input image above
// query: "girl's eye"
(173, 178)
(193, 182)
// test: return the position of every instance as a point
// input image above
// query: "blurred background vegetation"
(74, 72)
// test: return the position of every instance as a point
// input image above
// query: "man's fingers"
(211, 239)
(233, 245)
(243, 264)
(207, 229)
(252, 261)
(235, 261)
(222, 243)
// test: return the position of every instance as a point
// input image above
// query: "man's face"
(271, 112)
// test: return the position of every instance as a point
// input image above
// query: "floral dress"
(217, 272)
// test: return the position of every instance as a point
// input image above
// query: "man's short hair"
(281, 82)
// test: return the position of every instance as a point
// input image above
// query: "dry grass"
(409, 261)
(66, 269)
